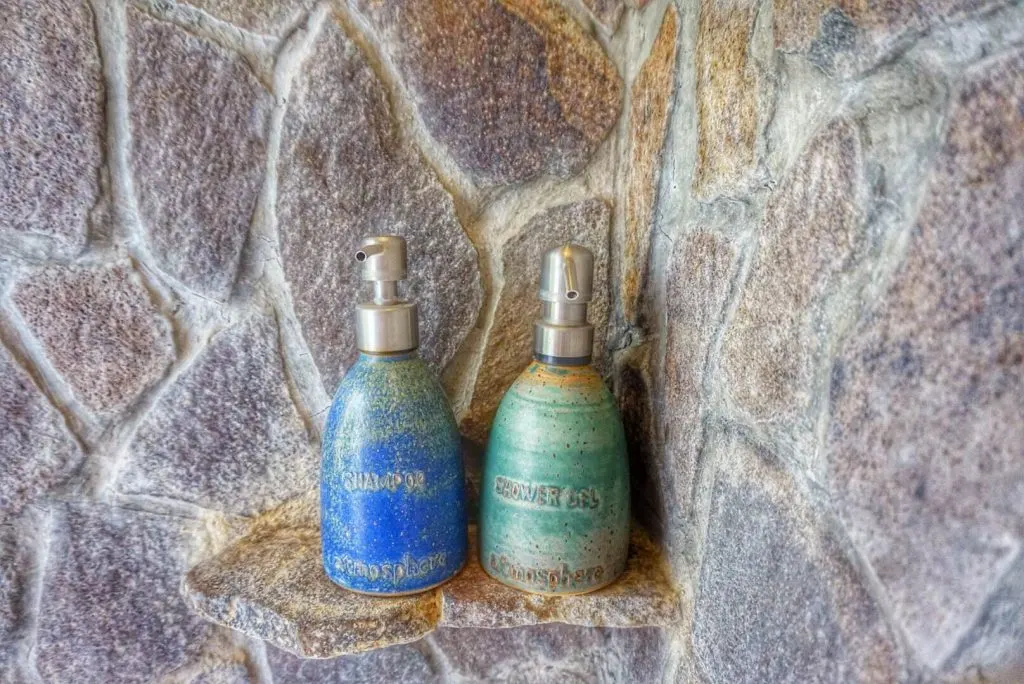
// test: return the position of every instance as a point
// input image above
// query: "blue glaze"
(392, 489)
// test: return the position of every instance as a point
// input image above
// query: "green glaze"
(554, 507)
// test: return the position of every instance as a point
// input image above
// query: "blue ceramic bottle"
(392, 489)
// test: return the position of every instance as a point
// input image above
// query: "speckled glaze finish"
(392, 489)
(554, 514)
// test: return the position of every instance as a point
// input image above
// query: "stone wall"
(810, 219)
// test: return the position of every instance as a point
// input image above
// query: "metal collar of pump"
(562, 335)
(387, 324)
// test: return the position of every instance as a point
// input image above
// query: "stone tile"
(728, 89)
(225, 673)
(606, 12)
(699, 277)
(509, 345)
(345, 174)
(15, 565)
(52, 113)
(513, 89)
(926, 425)
(110, 605)
(853, 34)
(275, 17)
(199, 120)
(634, 394)
(813, 225)
(555, 653)
(226, 435)
(649, 112)
(995, 644)
(38, 450)
(99, 329)
(404, 663)
(777, 599)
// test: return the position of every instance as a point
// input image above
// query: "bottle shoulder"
(547, 384)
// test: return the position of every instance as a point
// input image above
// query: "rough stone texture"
(812, 227)
(509, 345)
(698, 280)
(512, 88)
(14, 565)
(996, 642)
(51, 118)
(777, 599)
(648, 122)
(199, 119)
(555, 654)
(607, 12)
(270, 584)
(403, 663)
(38, 451)
(852, 33)
(110, 607)
(226, 435)
(346, 174)
(728, 84)
(926, 433)
(263, 16)
(100, 330)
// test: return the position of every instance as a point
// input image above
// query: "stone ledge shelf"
(269, 584)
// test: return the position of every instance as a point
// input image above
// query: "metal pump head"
(388, 324)
(563, 336)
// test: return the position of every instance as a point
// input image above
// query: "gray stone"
(926, 430)
(777, 599)
(813, 225)
(995, 643)
(110, 606)
(346, 174)
(99, 329)
(199, 120)
(226, 435)
(512, 88)
(38, 450)
(648, 122)
(402, 663)
(699, 277)
(559, 654)
(14, 567)
(52, 114)
(607, 12)
(509, 346)
(727, 96)
(263, 16)
(270, 584)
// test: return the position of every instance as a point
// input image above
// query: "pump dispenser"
(392, 488)
(554, 502)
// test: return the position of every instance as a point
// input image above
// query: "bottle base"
(396, 594)
(589, 590)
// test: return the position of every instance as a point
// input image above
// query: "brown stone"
(509, 345)
(778, 600)
(100, 330)
(199, 120)
(270, 584)
(52, 114)
(813, 224)
(926, 427)
(263, 16)
(648, 122)
(699, 277)
(607, 12)
(226, 435)
(346, 174)
(728, 88)
(110, 607)
(38, 451)
(513, 89)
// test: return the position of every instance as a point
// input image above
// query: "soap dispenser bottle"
(392, 488)
(554, 502)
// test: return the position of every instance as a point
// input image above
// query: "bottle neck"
(562, 360)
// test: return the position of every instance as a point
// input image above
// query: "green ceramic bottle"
(554, 503)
